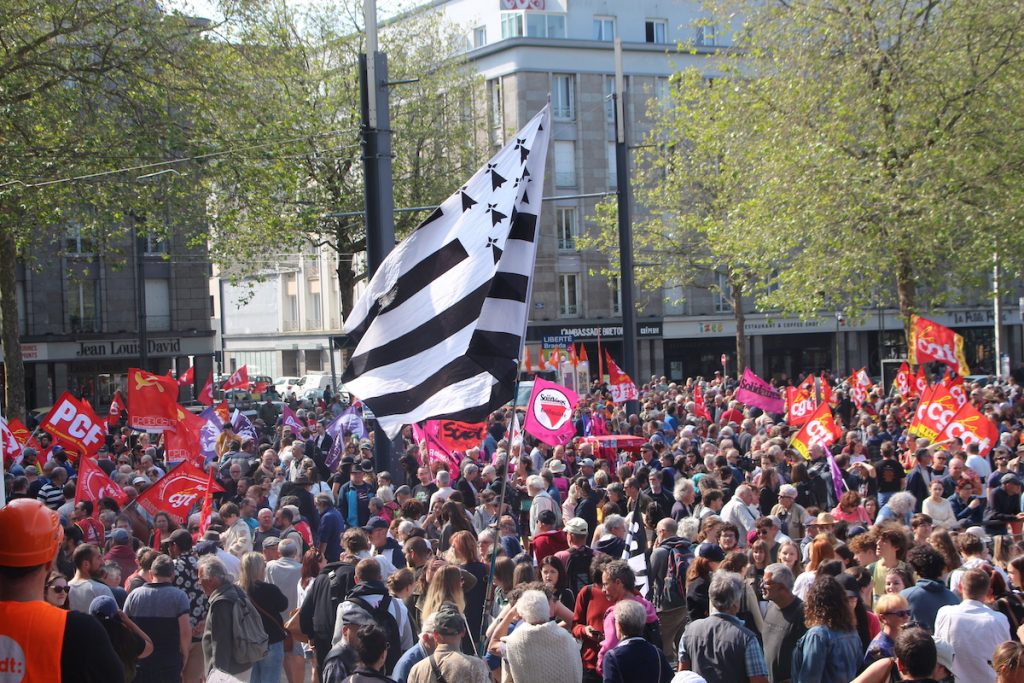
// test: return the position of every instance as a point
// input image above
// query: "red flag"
(20, 431)
(555, 359)
(527, 361)
(930, 341)
(700, 409)
(206, 516)
(619, 383)
(178, 491)
(903, 381)
(583, 354)
(117, 408)
(223, 412)
(152, 401)
(956, 389)
(93, 484)
(820, 430)
(184, 442)
(238, 380)
(75, 425)
(934, 414)
(970, 426)
(260, 387)
(800, 403)
(9, 443)
(188, 377)
(573, 358)
(920, 384)
(206, 394)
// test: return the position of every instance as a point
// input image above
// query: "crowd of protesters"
(755, 563)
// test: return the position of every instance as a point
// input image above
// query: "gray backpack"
(250, 638)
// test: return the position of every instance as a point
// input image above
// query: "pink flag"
(290, 420)
(436, 450)
(549, 414)
(754, 391)
(838, 483)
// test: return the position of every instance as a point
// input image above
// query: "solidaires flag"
(439, 330)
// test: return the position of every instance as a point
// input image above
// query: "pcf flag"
(754, 391)
(185, 442)
(177, 492)
(820, 430)
(152, 401)
(930, 341)
(549, 413)
(439, 330)
(74, 424)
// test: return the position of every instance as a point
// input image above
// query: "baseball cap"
(849, 584)
(577, 526)
(271, 541)
(710, 551)
(586, 462)
(104, 607)
(366, 466)
(120, 537)
(367, 444)
(448, 621)
(375, 522)
(1010, 478)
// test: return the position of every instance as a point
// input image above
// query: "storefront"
(96, 368)
(609, 334)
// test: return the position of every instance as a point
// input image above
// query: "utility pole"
(140, 295)
(378, 193)
(625, 227)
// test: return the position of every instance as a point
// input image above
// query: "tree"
(294, 78)
(887, 146)
(85, 87)
(693, 178)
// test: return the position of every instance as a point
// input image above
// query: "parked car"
(287, 385)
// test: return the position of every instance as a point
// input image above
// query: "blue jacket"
(925, 598)
(635, 659)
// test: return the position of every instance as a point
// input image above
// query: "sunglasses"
(59, 589)
(901, 613)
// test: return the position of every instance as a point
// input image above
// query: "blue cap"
(104, 607)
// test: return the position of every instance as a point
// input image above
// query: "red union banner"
(177, 492)
(238, 380)
(93, 484)
(820, 430)
(800, 403)
(971, 427)
(184, 442)
(930, 341)
(903, 380)
(933, 416)
(956, 389)
(152, 401)
(75, 425)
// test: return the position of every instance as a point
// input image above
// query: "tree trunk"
(741, 334)
(346, 284)
(906, 290)
(14, 366)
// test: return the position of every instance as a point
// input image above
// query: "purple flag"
(209, 433)
(290, 420)
(754, 391)
(838, 483)
(242, 426)
(348, 422)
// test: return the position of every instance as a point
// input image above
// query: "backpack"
(383, 617)
(577, 568)
(250, 643)
(673, 592)
(326, 593)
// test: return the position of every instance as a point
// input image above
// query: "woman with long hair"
(56, 592)
(789, 555)
(941, 540)
(465, 554)
(938, 508)
(1008, 661)
(269, 601)
(163, 525)
(552, 573)
(891, 547)
(830, 650)
(444, 586)
(821, 550)
(453, 519)
(698, 580)
(850, 510)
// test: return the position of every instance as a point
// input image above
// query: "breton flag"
(439, 330)
(635, 552)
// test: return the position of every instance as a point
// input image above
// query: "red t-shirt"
(548, 543)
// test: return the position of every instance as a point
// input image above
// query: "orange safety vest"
(31, 641)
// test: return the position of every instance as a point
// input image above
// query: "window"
(565, 225)
(290, 311)
(540, 25)
(158, 304)
(661, 90)
(563, 97)
(565, 163)
(616, 292)
(609, 102)
(479, 36)
(613, 171)
(706, 35)
(656, 31)
(568, 295)
(511, 24)
(76, 243)
(314, 313)
(604, 28)
(155, 246)
(83, 306)
(496, 113)
(722, 294)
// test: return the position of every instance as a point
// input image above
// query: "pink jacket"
(611, 638)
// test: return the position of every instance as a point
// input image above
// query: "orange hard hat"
(30, 533)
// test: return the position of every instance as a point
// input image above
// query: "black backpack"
(577, 568)
(320, 610)
(383, 617)
(673, 593)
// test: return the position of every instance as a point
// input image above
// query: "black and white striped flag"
(635, 552)
(439, 330)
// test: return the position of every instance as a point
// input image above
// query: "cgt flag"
(188, 377)
(9, 443)
(933, 414)
(971, 427)
(902, 383)
(152, 401)
(117, 409)
(93, 484)
(206, 393)
(620, 385)
(239, 379)
(177, 492)
(930, 341)
(800, 403)
(549, 413)
(73, 423)
(820, 430)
